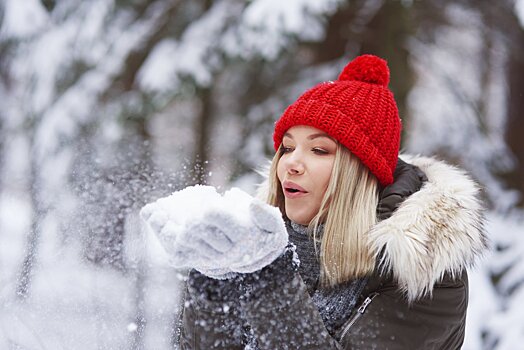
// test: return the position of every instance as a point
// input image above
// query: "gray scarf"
(336, 304)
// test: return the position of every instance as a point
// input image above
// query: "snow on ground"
(74, 304)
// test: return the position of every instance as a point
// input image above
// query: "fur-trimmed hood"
(436, 230)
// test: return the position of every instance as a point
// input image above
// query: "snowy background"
(109, 104)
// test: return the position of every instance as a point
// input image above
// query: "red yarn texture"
(367, 68)
(358, 110)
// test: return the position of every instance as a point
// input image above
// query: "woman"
(377, 246)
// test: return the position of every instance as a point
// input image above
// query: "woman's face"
(304, 170)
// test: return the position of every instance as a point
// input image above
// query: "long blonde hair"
(348, 211)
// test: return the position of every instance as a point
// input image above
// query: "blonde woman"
(370, 251)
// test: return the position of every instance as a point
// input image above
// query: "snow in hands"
(216, 234)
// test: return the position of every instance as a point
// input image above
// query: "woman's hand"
(217, 242)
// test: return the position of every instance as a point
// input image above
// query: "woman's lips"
(293, 195)
(292, 190)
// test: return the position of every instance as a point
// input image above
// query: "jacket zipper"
(360, 312)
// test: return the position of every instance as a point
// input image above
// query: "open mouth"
(291, 188)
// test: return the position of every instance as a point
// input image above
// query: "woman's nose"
(295, 164)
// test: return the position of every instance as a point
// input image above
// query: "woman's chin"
(299, 218)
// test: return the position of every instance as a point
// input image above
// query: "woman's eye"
(286, 149)
(320, 151)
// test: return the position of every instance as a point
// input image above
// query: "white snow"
(74, 304)
(132, 327)
(174, 221)
(266, 26)
(519, 10)
(290, 16)
(23, 18)
(193, 56)
(159, 72)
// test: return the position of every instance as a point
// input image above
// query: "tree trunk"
(386, 36)
(33, 237)
(140, 312)
(3, 135)
(515, 120)
(202, 132)
(144, 153)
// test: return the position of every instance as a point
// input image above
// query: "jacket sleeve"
(280, 311)
(211, 316)
(270, 306)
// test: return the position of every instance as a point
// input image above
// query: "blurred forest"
(109, 104)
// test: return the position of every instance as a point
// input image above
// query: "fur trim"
(436, 230)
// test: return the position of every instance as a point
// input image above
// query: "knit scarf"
(335, 304)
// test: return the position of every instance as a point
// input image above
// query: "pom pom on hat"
(358, 110)
(367, 69)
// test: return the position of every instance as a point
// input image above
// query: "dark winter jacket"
(416, 299)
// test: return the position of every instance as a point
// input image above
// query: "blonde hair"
(348, 211)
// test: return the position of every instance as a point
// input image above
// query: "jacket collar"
(434, 231)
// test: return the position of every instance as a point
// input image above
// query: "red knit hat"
(358, 110)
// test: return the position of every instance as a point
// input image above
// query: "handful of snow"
(199, 228)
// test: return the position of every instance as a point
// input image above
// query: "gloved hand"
(221, 238)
